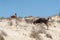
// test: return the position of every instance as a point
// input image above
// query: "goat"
(14, 16)
(42, 20)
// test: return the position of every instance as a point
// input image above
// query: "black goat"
(42, 20)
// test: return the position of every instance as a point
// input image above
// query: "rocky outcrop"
(16, 28)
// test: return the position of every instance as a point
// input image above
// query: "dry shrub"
(48, 36)
(35, 35)
(1, 38)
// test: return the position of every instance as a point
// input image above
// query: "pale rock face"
(21, 30)
(55, 18)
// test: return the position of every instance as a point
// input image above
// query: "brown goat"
(42, 20)
(14, 16)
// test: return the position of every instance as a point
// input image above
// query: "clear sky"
(41, 8)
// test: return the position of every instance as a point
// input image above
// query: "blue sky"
(41, 8)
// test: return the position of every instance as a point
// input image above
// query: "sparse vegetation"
(58, 21)
(59, 14)
(35, 35)
(1, 38)
(54, 26)
(29, 20)
(11, 23)
(48, 36)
